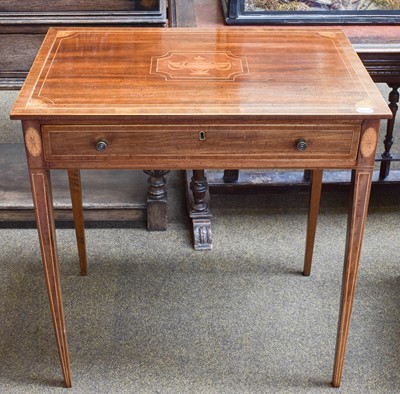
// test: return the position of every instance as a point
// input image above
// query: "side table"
(161, 99)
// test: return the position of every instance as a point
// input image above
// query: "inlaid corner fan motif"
(212, 66)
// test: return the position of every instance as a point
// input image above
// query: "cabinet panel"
(79, 5)
(24, 24)
(19, 51)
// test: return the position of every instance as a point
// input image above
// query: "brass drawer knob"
(101, 145)
(301, 145)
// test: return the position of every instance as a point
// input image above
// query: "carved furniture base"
(201, 220)
(202, 234)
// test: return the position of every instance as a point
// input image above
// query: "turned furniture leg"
(315, 197)
(199, 210)
(42, 197)
(156, 200)
(74, 177)
(199, 186)
(388, 142)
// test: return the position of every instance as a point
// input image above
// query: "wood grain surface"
(215, 72)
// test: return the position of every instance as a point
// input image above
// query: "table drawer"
(185, 142)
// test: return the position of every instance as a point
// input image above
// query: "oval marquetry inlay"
(368, 142)
(33, 142)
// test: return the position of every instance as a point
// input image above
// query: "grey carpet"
(155, 316)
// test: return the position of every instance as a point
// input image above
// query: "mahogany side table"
(152, 99)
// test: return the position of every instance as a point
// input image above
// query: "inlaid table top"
(265, 72)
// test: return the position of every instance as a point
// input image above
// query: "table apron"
(191, 146)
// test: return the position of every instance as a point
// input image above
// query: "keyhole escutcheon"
(202, 135)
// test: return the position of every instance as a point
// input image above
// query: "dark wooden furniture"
(23, 26)
(238, 12)
(381, 57)
(225, 98)
(379, 49)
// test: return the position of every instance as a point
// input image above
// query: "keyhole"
(202, 135)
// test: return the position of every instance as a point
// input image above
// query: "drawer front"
(182, 143)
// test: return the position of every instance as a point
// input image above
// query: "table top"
(270, 73)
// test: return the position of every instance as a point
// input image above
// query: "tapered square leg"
(75, 188)
(315, 198)
(39, 177)
(42, 197)
(361, 184)
(355, 231)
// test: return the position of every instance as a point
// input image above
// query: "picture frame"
(75, 13)
(311, 12)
